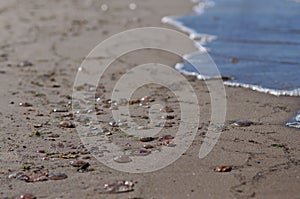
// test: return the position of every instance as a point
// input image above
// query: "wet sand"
(42, 46)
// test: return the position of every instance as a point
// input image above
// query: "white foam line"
(295, 92)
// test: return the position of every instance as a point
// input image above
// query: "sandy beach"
(42, 46)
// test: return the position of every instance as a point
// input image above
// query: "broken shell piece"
(242, 123)
(66, 124)
(166, 137)
(38, 125)
(146, 139)
(78, 163)
(33, 177)
(165, 124)
(113, 124)
(140, 152)
(168, 143)
(57, 176)
(147, 99)
(132, 102)
(84, 167)
(107, 133)
(167, 109)
(119, 187)
(223, 169)
(68, 156)
(60, 110)
(122, 159)
(27, 196)
(14, 175)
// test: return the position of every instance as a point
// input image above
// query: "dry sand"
(55, 36)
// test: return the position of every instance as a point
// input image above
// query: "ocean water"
(255, 42)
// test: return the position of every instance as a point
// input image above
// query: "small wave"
(283, 86)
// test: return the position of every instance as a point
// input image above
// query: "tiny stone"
(27, 196)
(168, 143)
(119, 187)
(25, 64)
(66, 124)
(165, 124)
(167, 109)
(122, 159)
(234, 60)
(146, 139)
(60, 110)
(84, 167)
(168, 117)
(223, 169)
(148, 146)
(242, 123)
(140, 152)
(147, 99)
(25, 104)
(113, 124)
(57, 176)
(166, 137)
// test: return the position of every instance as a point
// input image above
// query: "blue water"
(262, 35)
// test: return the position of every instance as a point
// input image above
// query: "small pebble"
(60, 110)
(38, 125)
(78, 163)
(14, 175)
(25, 104)
(132, 6)
(146, 139)
(166, 137)
(113, 124)
(165, 124)
(25, 64)
(168, 143)
(122, 159)
(66, 124)
(140, 152)
(234, 60)
(104, 7)
(168, 117)
(57, 176)
(167, 109)
(27, 196)
(84, 167)
(147, 99)
(223, 169)
(148, 146)
(119, 187)
(242, 123)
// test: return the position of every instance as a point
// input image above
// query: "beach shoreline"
(42, 47)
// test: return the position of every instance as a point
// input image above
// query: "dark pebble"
(57, 176)
(146, 139)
